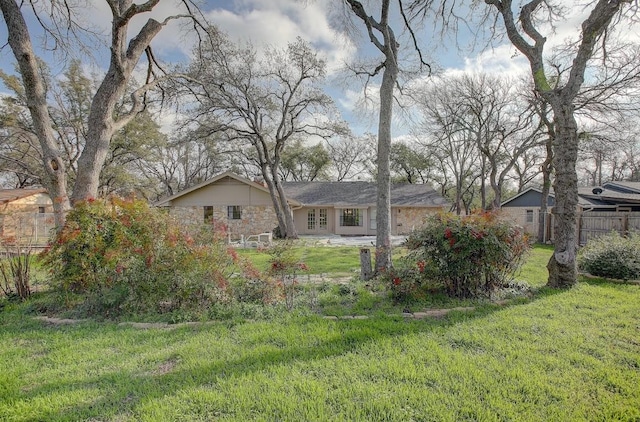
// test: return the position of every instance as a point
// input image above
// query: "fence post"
(625, 224)
(579, 228)
(365, 264)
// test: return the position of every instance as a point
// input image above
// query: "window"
(311, 219)
(41, 210)
(208, 213)
(351, 217)
(529, 216)
(234, 212)
(322, 219)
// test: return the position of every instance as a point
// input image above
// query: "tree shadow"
(122, 391)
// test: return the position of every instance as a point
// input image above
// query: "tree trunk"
(383, 178)
(55, 173)
(282, 224)
(289, 231)
(562, 264)
(99, 134)
(547, 168)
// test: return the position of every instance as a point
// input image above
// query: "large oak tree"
(102, 122)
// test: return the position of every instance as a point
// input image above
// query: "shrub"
(129, 258)
(284, 265)
(468, 255)
(612, 256)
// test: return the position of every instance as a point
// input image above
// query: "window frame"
(234, 212)
(351, 217)
(323, 218)
(528, 216)
(311, 219)
(207, 213)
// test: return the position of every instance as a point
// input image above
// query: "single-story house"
(344, 208)
(524, 208)
(349, 208)
(26, 215)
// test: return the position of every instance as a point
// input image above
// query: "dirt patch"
(166, 367)
(60, 321)
(149, 325)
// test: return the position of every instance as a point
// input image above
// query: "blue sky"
(276, 22)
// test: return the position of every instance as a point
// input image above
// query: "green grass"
(563, 356)
(337, 261)
(534, 271)
(333, 261)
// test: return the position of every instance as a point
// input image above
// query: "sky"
(276, 22)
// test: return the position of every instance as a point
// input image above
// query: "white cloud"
(504, 60)
(277, 22)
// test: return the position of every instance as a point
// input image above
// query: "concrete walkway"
(337, 240)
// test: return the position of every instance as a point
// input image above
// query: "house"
(243, 206)
(26, 215)
(349, 208)
(612, 197)
(344, 208)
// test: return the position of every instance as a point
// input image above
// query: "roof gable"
(531, 197)
(228, 174)
(10, 195)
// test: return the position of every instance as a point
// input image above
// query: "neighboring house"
(26, 215)
(612, 197)
(345, 208)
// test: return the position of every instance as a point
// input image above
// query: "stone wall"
(408, 219)
(254, 219)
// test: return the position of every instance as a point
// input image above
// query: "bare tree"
(351, 156)
(264, 103)
(383, 38)
(524, 33)
(502, 125)
(302, 163)
(444, 132)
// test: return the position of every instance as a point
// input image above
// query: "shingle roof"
(631, 187)
(361, 194)
(10, 195)
(608, 196)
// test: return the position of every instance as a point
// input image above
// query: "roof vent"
(597, 191)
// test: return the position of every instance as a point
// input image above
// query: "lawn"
(562, 355)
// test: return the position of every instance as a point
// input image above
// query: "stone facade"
(410, 218)
(255, 219)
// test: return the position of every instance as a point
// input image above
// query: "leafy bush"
(468, 255)
(612, 256)
(285, 265)
(129, 258)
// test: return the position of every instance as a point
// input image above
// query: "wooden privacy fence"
(589, 224)
(593, 224)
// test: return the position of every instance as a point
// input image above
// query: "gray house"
(524, 208)
(349, 208)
